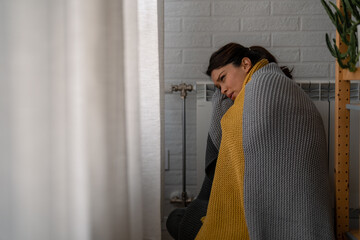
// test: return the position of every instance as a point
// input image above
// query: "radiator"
(322, 93)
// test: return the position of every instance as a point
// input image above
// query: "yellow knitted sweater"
(225, 217)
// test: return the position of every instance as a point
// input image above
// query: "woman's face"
(230, 78)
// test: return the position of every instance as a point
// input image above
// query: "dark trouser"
(173, 222)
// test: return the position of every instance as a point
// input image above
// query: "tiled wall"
(293, 30)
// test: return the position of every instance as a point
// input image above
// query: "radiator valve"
(183, 88)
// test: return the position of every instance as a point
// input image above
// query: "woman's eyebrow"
(218, 80)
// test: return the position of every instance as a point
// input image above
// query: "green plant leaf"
(356, 3)
(352, 48)
(328, 43)
(338, 54)
(329, 11)
(353, 9)
(338, 26)
(339, 58)
(346, 14)
(341, 64)
(339, 13)
(346, 22)
(344, 34)
(357, 57)
(354, 26)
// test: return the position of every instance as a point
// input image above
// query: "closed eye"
(222, 78)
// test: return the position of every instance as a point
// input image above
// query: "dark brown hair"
(234, 53)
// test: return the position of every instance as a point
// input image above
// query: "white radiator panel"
(204, 92)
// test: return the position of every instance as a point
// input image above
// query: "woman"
(271, 174)
(271, 177)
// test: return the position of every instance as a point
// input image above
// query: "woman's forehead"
(216, 72)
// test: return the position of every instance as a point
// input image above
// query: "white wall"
(294, 31)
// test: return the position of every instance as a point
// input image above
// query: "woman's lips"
(231, 96)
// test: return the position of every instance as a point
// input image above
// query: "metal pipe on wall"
(184, 194)
(183, 88)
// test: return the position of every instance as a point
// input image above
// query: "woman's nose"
(223, 90)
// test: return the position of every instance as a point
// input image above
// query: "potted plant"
(346, 23)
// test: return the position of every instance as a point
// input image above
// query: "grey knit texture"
(220, 105)
(286, 181)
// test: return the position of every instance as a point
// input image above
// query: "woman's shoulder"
(271, 79)
(271, 69)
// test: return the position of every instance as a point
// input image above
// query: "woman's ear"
(246, 64)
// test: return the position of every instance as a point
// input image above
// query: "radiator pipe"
(184, 194)
(183, 88)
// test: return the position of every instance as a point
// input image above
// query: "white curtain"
(80, 119)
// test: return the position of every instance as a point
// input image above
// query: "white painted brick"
(241, 8)
(286, 55)
(175, 116)
(316, 54)
(332, 70)
(175, 146)
(208, 24)
(176, 151)
(174, 101)
(296, 39)
(175, 9)
(175, 177)
(311, 70)
(270, 24)
(303, 7)
(172, 24)
(175, 161)
(316, 23)
(172, 56)
(197, 55)
(246, 39)
(184, 71)
(175, 131)
(332, 35)
(187, 40)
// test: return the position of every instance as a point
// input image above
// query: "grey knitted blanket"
(286, 181)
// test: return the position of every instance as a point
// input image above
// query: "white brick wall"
(186, 9)
(186, 40)
(211, 24)
(241, 8)
(256, 24)
(246, 39)
(293, 30)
